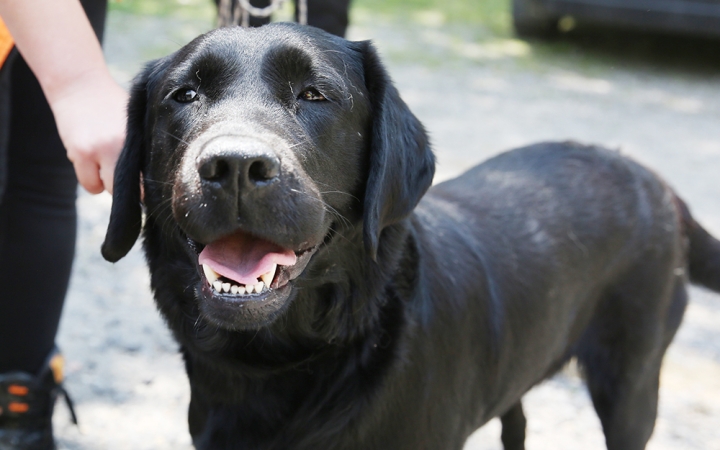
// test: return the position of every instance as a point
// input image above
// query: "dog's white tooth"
(241, 290)
(234, 289)
(217, 285)
(259, 287)
(210, 274)
(268, 277)
(226, 287)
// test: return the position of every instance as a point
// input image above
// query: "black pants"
(38, 219)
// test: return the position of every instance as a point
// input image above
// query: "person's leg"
(37, 229)
(37, 221)
(37, 242)
(328, 15)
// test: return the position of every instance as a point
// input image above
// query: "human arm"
(56, 40)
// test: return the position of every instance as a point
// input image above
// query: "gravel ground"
(477, 95)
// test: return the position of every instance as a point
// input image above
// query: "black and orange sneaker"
(26, 406)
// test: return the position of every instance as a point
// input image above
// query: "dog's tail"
(703, 251)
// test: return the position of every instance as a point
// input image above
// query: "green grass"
(493, 14)
(184, 9)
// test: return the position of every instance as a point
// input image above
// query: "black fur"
(403, 325)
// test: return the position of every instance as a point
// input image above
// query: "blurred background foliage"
(187, 9)
(441, 32)
(494, 14)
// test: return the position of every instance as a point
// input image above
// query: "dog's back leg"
(513, 428)
(622, 350)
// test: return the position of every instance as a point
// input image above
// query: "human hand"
(90, 115)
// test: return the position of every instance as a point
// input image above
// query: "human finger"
(88, 175)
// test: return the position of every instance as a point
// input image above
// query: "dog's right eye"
(312, 95)
(185, 95)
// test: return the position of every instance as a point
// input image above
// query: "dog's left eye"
(185, 95)
(311, 95)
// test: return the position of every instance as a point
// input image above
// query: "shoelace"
(69, 403)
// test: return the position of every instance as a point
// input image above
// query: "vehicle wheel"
(531, 19)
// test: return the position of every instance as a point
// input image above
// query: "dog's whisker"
(175, 137)
(327, 207)
(332, 211)
(165, 224)
(341, 193)
(307, 140)
(252, 338)
(153, 181)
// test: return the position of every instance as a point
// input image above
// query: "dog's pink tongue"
(243, 258)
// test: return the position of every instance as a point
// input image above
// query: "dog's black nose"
(250, 171)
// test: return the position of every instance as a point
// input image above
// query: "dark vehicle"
(544, 17)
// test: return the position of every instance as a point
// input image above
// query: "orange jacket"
(6, 42)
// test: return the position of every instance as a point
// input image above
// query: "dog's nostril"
(214, 170)
(263, 170)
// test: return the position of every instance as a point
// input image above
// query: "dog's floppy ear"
(401, 165)
(126, 213)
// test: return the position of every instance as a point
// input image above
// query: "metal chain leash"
(233, 12)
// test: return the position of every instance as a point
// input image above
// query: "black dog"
(322, 302)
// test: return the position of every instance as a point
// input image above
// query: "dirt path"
(477, 96)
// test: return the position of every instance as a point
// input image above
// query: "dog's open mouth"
(245, 266)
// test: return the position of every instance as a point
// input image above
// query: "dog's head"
(254, 147)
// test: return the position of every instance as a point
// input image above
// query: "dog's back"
(561, 250)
